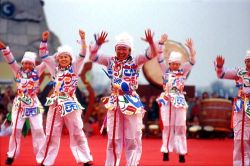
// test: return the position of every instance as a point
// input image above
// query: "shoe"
(9, 161)
(165, 157)
(182, 158)
(88, 163)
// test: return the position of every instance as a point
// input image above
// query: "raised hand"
(45, 36)
(148, 36)
(190, 46)
(100, 39)
(82, 34)
(219, 62)
(2, 45)
(163, 38)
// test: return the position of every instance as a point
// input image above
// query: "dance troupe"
(125, 111)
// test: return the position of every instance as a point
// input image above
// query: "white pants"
(237, 152)
(78, 141)
(38, 136)
(127, 133)
(139, 137)
(174, 130)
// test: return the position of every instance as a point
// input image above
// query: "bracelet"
(44, 41)
(161, 43)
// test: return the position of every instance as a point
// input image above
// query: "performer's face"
(122, 52)
(64, 60)
(174, 66)
(27, 66)
(247, 63)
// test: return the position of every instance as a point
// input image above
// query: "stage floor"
(201, 152)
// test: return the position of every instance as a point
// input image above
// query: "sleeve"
(101, 59)
(187, 66)
(160, 58)
(48, 60)
(40, 68)
(223, 73)
(78, 63)
(9, 58)
(148, 55)
(143, 58)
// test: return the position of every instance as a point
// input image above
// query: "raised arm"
(160, 57)
(221, 72)
(40, 68)
(150, 52)
(44, 53)
(192, 59)
(94, 56)
(77, 65)
(9, 58)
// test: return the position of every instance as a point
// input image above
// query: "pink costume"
(124, 116)
(64, 109)
(241, 113)
(173, 106)
(26, 104)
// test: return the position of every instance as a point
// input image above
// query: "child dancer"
(172, 102)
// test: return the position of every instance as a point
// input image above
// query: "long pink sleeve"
(223, 73)
(143, 58)
(99, 58)
(40, 68)
(160, 58)
(48, 60)
(187, 66)
(78, 63)
(9, 58)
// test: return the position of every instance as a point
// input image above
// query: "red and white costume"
(124, 116)
(26, 103)
(173, 105)
(64, 109)
(241, 115)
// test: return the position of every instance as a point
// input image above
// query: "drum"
(152, 70)
(215, 114)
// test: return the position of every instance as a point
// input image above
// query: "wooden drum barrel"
(216, 114)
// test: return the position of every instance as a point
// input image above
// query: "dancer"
(63, 105)
(26, 104)
(241, 114)
(172, 102)
(124, 116)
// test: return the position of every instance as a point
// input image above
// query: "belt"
(121, 93)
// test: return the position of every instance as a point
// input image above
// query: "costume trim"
(12, 62)
(44, 56)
